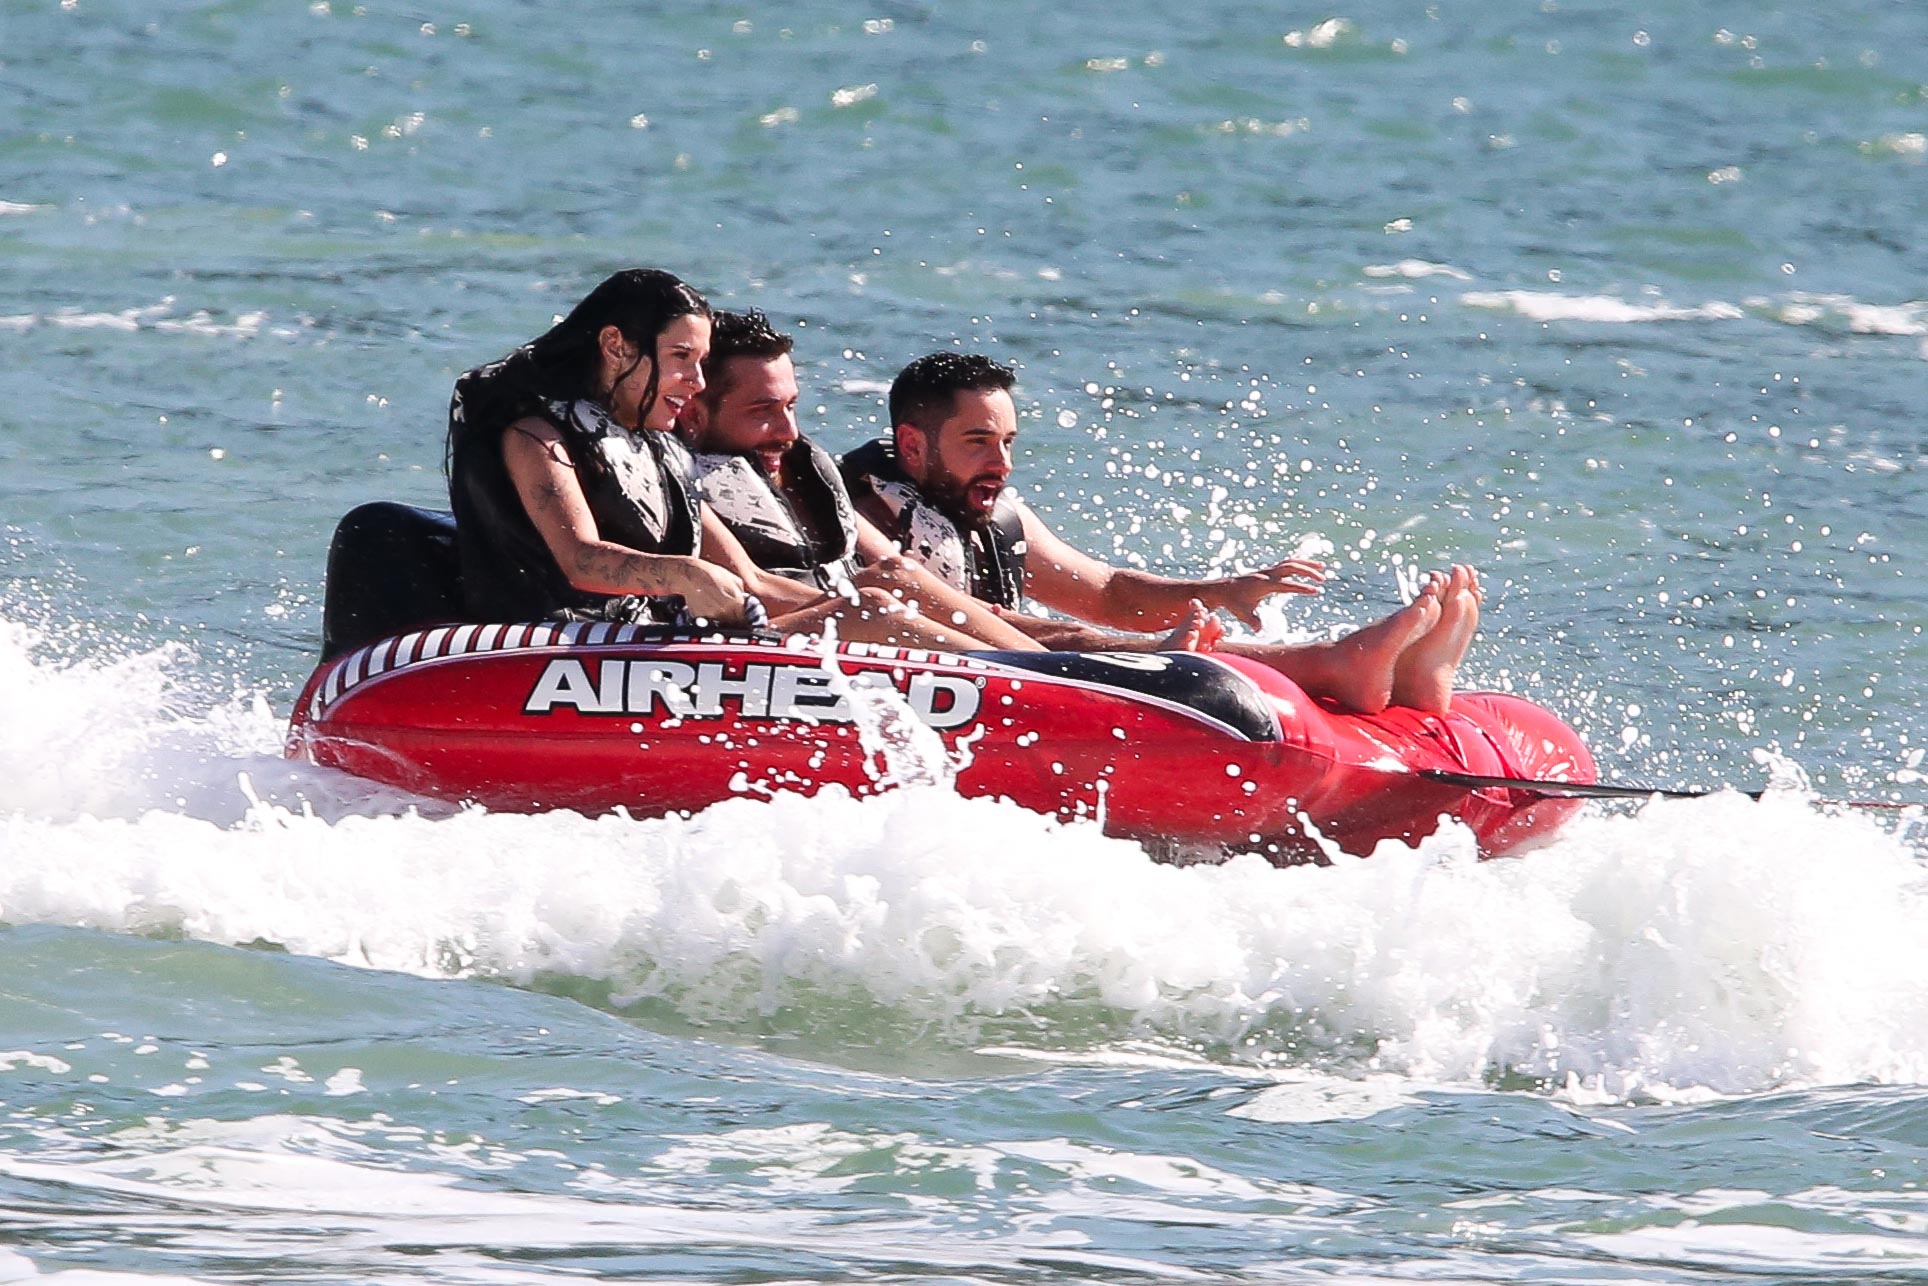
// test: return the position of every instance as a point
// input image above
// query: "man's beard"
(950, 495)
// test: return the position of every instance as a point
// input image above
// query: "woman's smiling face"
(678, 365)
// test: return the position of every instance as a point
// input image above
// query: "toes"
(1426, 611)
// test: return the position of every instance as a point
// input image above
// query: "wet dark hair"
(747, 334)
(566, 362)
(925, 392)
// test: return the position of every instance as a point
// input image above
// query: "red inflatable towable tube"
(1197, 749)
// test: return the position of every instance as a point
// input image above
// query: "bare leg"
(910, 582)
(1199, 631)
(877, 617)
(1356, 671)
(1424, 676)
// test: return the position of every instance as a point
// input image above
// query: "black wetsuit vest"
(817, 546)
(637, 486)
(982, 559)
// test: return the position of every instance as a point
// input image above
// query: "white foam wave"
(1859, 318)
(1695, 944)
(1911, 144)
(16, 1267)
(1840, 312)
(119, 734)
(1416, 269)
(1720, 943)
(1308, 1099)
(158, 317)
(1741, 1240)
(1547, 306)
(273, 1172)
(226, 1188)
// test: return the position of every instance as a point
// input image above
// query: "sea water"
(1622, 304)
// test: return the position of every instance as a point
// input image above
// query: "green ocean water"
(1624, 305)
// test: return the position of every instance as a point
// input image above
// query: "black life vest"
(817, 547)
(635, 482)
(982, 559)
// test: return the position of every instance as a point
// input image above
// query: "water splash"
(1716, 944)
(900, 749)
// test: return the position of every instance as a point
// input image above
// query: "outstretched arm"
(1079, 585)
(1241, 594)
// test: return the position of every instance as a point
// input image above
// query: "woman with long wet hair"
(572, 498)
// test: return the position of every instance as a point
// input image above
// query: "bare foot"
(1368, 659)
(1357, 670)
(1200, 631)
(1424, 674)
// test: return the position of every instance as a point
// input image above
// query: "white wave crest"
(1415, 269)
(1695, 944)
(1549, 306)
(1720, 943)
(1858, 318)
(159, 317)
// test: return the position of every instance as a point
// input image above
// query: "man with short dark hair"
(778, 492)
(938, 486)
(949, 510)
